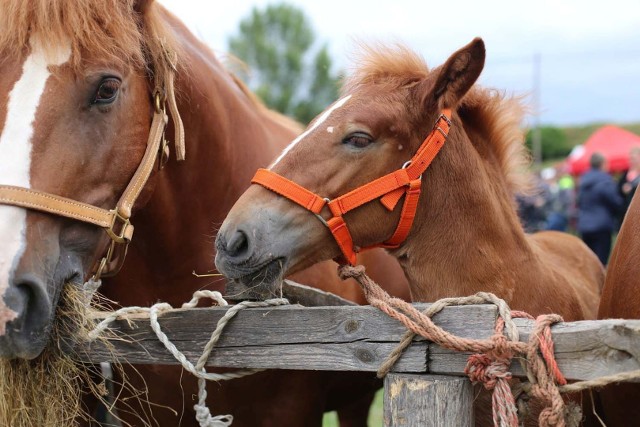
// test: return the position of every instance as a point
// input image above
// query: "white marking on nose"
(339, 103)
(15, 159)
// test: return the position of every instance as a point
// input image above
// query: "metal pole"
(536, 141)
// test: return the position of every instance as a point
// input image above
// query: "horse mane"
(498, 116)
(112, 30)
(284, 121)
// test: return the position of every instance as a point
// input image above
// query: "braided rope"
(203, 414)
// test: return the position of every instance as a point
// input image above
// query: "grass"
(375, 414)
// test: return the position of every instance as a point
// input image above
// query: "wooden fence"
(425, 387)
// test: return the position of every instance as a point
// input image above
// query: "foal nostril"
(238, 244)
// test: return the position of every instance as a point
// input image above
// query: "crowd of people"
(592, 205)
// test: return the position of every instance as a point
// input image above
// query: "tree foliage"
(554, 142)
(284, 70)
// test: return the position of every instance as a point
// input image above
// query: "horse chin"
(19, 346)
(261, 283)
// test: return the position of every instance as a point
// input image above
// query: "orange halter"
(389, 188)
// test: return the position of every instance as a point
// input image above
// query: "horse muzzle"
(28, 304)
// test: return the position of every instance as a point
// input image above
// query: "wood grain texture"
(359, 338)
(427, 400)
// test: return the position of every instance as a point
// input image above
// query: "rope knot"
(350, 272)
(483, 369)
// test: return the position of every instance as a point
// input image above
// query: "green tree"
(277, 45)
(554, 142)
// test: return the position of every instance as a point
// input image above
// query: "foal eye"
(358, 140)
(107, 91)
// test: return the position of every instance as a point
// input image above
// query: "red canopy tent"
(612, 142)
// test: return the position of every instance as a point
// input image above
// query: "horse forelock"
(111, 30)
(392, 67)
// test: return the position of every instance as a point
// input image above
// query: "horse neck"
(227, 138)
(467, 236)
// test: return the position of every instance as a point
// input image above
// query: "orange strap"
(389, 188)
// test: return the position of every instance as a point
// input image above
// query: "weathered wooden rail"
(359, 338)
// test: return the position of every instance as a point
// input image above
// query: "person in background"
(630, 179)
(599, 203)
(560, 200)
(533, 206)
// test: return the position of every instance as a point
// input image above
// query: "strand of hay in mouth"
(47, 391)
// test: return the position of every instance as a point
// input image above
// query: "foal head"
(75, 109)
(387, 109)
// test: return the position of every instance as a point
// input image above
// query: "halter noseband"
(116, 222)
(389, 188)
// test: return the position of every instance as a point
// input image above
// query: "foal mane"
(498, 117)
(113, 30)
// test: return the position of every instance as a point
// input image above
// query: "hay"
(47, 391)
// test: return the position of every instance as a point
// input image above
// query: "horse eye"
(358, 140)
(107, 91)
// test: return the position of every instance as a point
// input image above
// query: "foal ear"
(458, 74)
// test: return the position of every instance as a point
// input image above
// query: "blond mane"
(500, 117)
(111, 30)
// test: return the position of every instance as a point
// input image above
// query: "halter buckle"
(445, 118)
(118, 235)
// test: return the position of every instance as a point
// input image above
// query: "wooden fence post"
(413, 400)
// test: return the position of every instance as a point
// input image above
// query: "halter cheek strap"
(116, 222)
(389, 188)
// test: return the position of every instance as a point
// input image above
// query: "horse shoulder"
(573, 271)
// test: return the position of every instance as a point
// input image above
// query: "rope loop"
(203, 414)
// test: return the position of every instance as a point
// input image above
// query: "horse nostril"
(33, 305)
(238, 244)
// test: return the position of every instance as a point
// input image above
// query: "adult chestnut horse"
(466, 236)
(621, 299)
(81, 90)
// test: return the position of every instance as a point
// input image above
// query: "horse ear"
(141, 6)
(458, 74)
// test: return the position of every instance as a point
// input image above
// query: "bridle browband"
(405, 181)
(116, 222)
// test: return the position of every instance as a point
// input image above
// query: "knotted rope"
(203, 414)
(490, 364)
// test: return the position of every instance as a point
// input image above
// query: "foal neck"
(467, 236)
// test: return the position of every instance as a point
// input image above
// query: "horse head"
(376, 128)
(76, 103)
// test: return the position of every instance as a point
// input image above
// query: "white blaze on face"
(15, 158)
(339, 103)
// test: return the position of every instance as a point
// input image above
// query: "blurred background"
(576, 63)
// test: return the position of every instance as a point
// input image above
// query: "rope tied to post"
(203, 414)
(492, 357)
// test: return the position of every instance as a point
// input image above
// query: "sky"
(588, 51)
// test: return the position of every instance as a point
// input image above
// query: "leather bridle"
(405, 181)
(117, 221)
